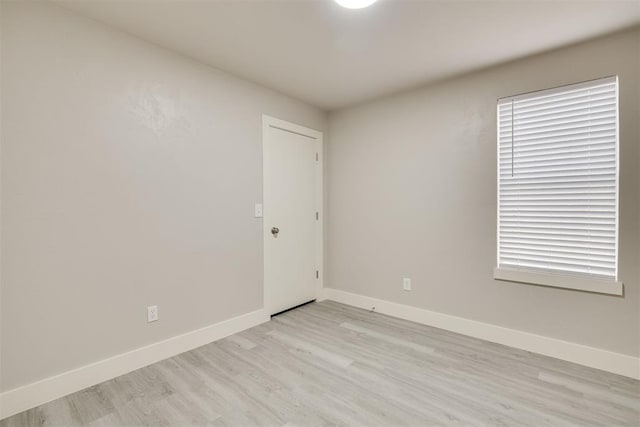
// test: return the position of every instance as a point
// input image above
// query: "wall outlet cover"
(152, 313)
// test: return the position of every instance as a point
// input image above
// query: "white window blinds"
(558, 180)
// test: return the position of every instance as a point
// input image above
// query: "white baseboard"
(616, 363)
(48, 389)
(43, 391)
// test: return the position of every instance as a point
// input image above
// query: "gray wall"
(412, 191)
(129, 175)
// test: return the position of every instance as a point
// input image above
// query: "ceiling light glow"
(355, 4)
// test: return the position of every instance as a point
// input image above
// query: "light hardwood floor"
(327, 363)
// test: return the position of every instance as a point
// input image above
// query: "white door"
(292, 179)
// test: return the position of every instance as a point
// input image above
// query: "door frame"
(269, 122)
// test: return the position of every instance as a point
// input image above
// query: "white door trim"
(272, 122)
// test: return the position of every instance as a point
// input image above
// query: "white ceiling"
(332, 57)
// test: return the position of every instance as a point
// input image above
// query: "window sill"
(601, 286)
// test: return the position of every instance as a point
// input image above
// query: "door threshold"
(292, 308)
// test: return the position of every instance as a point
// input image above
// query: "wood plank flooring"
(330, 364)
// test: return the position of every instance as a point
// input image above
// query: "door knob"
(275, 231)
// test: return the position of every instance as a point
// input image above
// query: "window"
(558, 187)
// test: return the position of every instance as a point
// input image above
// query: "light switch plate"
(406, 284)
(258, 210)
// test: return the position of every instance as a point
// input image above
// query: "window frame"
(560, 279)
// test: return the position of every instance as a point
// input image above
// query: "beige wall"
(129, 175)
(412, 193)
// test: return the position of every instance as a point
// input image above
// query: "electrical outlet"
(406, 284)
(152, 313)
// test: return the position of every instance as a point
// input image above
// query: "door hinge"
(317, 157)
(317, 274)
(317, 216)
